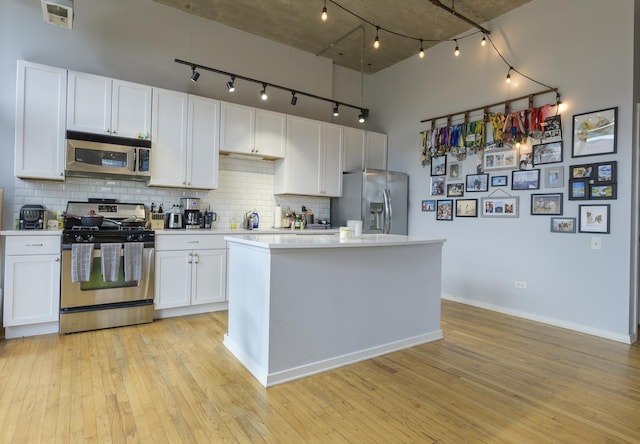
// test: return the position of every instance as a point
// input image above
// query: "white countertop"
(242, 231)
(52, 232)
(287, 241)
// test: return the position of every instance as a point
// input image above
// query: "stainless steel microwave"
(95, 155)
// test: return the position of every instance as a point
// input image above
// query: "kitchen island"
(300, 305)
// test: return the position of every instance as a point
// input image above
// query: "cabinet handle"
(195, 258)
(193, 242)
(57, 259)
(33, 245)
(61, 174)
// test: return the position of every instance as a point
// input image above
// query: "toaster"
(32, 217)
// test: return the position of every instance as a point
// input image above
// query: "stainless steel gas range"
(107, 268)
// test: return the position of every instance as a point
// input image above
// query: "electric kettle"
(175, 220)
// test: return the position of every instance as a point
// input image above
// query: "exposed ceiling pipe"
(439, 4)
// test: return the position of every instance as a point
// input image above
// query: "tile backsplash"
(243, 185)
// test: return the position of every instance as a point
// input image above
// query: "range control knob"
(78, 238)
(91, 238)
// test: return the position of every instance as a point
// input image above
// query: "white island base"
(300, 305)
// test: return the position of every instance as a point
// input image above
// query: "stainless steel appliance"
(174, 220)
(96, 155)
(32, 217)
(91, 298)
(377, 197)
(191, 208)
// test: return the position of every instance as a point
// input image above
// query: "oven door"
(96, 291)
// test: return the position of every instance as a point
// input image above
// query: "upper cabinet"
(102, 105)
(40, 121)
(252, 131)
(376, 151)
(313, 165)
(364, 149)
(185, 140)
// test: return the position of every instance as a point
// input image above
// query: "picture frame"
(594, 218)
(605, 172)
(581, 171)
(455, 189)
(552, 129)
(563, 224)
(578, 189)
(545, 153)
(546, 204)
(444, 209)
(477, 182)
(603, 191)
(428, 205)
(505, 206)
(525, 179)
(439, 165)
(554, 177)
(594, 133)
(454, 170)
(497, 160)
(437, 186)
(499, 181)
(466, 207)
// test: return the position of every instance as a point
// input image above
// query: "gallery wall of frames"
(524, 151)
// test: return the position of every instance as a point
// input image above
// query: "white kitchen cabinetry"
(247, 130)
(185, 140)
(32, 285)
(41, 107)
(190, 273)
(313, 165)
(364, 149)
(102, 105)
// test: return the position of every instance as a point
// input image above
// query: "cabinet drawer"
(189, 242)
(19, 245)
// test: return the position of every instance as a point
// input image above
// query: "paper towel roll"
(277, 217)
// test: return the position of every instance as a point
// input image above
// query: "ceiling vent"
(58, 12)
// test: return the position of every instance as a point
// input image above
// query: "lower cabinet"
(31, 285)
(190, 271)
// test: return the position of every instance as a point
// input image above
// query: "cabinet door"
(330, 172)
(354, 143)
(32, 289)
(41, 106)
(237, 125)
(130, 109)
(270, 134)
(169, 138)
(172, 279)
(203, 143)
(209, 276)
(89, 103)
(299, 171)
(376, 152)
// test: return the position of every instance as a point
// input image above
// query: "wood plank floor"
(493, 379)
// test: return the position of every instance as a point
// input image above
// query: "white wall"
(584, 48)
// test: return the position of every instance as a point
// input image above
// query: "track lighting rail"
(295, 93)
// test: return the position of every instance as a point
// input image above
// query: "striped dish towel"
(81, 260)
(133, 261)
(110, 262)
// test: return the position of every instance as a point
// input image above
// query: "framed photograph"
(477, 182)
(428, 205)
(547, 153)
(525, 180)
(605, 172)
(578, 189)
(498, 181)
(552, 129)
(437, 186)
(603, 191)
(466, 207)
(444, 209)
(455, 189)
(563, 224)
(454, 170)
(594, 219)
(500, 206)
(594, 133)
(500, 160)
(581, 171)
(546, 204)
(554, 177)
(439, 166)
(526, 158)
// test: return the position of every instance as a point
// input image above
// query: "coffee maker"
(191, 208)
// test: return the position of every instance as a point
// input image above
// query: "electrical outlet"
(596, 243)
(520, 284)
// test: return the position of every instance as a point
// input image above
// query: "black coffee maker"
(191, 208)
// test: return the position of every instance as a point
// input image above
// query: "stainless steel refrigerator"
(379, 198)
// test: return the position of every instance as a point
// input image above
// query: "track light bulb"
(195, 75)
(336, 112)
(364, 113)
(509, 75)
(484, 40)
(294, 99)
(324, 12)
(456, 52)
(263, 93)
(421, 52)
(376, 42)
(230, 85)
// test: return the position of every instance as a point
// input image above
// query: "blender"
(191, 208)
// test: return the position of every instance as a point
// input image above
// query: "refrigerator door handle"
(387, 211)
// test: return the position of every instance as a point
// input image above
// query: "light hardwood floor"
(493, 379)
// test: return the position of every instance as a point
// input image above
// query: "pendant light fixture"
(456, 52)
(509, 74)
(376, 42)
(324, 16)
(484, 40)
(421, 52)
